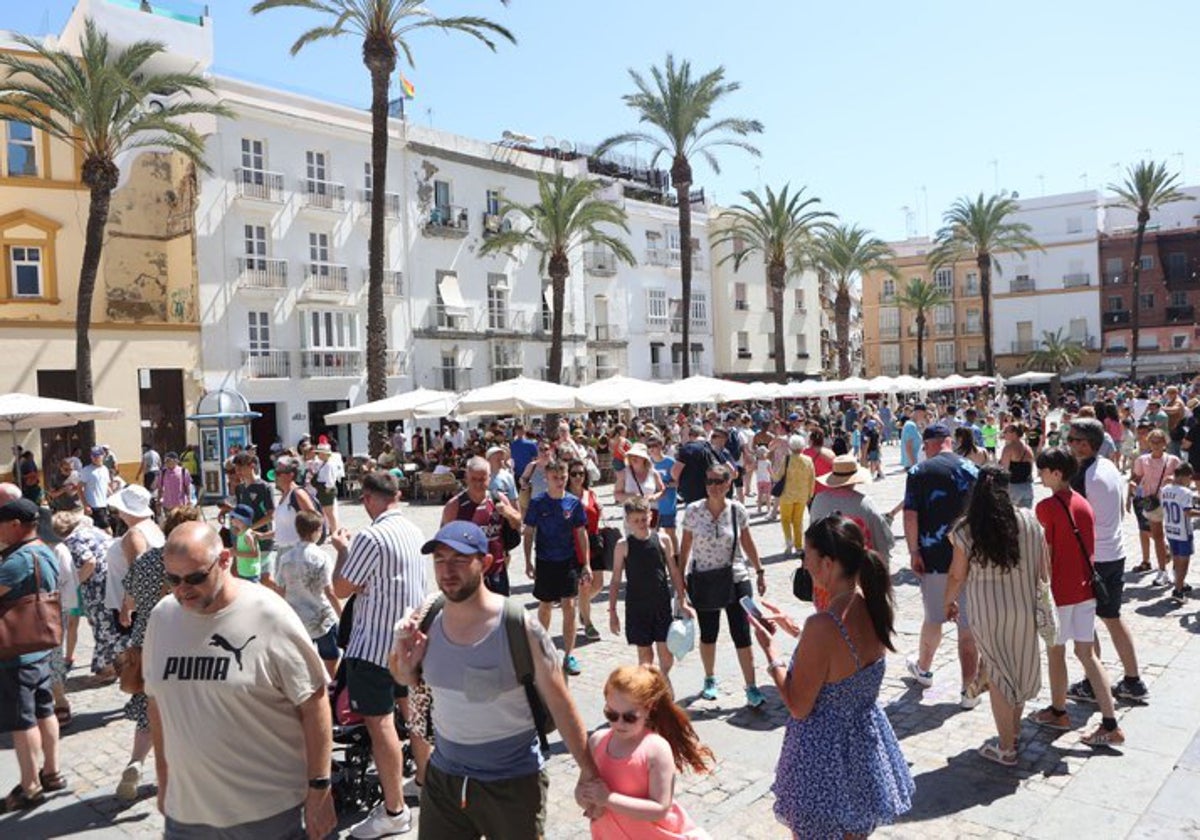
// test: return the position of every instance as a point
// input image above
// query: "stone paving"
(1147, 789)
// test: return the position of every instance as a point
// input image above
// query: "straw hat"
(845, 472)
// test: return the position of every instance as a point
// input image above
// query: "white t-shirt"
(1103, 484)
(226, 686)
(1178, 503)
(304, 572)
(95, 485)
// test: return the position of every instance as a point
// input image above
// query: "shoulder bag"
(31, 623)
(777, 487)
(1099, 588)
(1151, 506)
(713, 589)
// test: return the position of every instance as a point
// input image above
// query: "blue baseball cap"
(936, 432)
(463, 537)
(244, 514)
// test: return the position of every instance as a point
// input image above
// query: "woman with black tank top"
(1017, 458)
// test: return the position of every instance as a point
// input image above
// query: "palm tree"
(842, 253)
(1056, 355)
(568, 215)
(385, 27)
(781, 228)
(978, 230)
(95, 102)
(678, 107)
(921, 296)
(1147, 187)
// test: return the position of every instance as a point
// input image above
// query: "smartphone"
(752, 609)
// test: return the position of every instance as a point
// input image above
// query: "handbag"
(777, 487)
(1045, 615)
(802, 583)
(1099, 587)
(1151, 506)
(128, 663)
(713, 589)
(31, 623)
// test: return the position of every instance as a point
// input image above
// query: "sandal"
(63, 714)
(19, 800)
(992, 752)
(1144, 566)
(52, 781)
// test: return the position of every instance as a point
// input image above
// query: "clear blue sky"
(874, 105)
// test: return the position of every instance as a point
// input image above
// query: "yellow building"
(145, 331)
(953, 331)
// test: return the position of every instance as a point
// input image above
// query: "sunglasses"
(193, 579)
(1074, 439)
(628, 717)
(713, 482)
(577, 473)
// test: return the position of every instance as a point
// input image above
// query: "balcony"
(391, 204)
(655, 256)
(544, 326)
(941, 328)
(972, 328)
(1116, 317)
(325, 279)
(972, 366)
(890, 370)
(605, 371)
(599, 262)
(971, 290)
(266, 364)
(1024, 346)
(1181, 314)
(608, 333)
(1116, 350)
(323, 195)
(327, 364)
(506, 369)
(661, 371)
(697, 261)
(393, 282)
(441, 320)
(1076, 280)
(259, 185)
(262, 273)
(889, 333)
(452, 378)
(887, 297)
(505, 320)
(1022, 284)
(396, 362)
(741, 305)
(743, 353)
(494, 223)
(944, 368)
(568, 376)
(448, 220)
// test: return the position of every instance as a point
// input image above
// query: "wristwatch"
(319, 783)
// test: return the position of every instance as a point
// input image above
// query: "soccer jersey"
(1178, 503)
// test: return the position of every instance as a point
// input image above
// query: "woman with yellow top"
(799, 479)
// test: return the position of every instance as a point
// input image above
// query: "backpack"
(510, 536)
(522, 660)
(317, 507)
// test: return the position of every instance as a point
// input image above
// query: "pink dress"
(631, 776)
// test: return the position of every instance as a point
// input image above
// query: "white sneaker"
(379, 823)
(131, 778)
(967, 702)
(1162, 579)
(923, 678)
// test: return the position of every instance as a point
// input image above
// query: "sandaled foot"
(52, 781)
(20, 800)
(992, 752)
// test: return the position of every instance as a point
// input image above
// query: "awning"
(452, 299)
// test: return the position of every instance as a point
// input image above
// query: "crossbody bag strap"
(1162, 476)
(733, 517)
(1078, 536)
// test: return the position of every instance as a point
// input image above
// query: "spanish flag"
(406, 88)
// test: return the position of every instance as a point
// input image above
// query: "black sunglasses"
(576, 473)
(713, 482)
(613, 717)
(193, 579)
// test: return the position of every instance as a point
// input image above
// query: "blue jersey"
(555, 521)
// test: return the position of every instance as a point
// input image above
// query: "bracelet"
(779, 662)
(760, 571)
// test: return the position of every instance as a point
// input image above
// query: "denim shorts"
(327, 646)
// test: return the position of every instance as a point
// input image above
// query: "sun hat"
(496, 450)
(845, 472)
(638, 450)
(133, 500)
(324, 449)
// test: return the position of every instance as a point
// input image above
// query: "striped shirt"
(386, 565)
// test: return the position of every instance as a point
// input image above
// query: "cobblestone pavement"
(1060, 788)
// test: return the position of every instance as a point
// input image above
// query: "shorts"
(1142, 522)
(554, 581)
(596, 554)
(647, 623)
(25, 696)
(1181, 548)
(933, 597)
(286, 825)
(327, 646)
(764, 490)
(1021, 495)
(1113, 575)
(326, 496)
(666, 520)
(150, 479)
(873, 456)
(506, 809)
(373, 692)
(1077, 622)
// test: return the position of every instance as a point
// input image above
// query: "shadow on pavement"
(63, 814)
(86, 721)
(966, 781)
(909, 717)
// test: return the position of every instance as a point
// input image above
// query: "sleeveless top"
(646, 579)
(630, 776)
(285, 521)
(481, 719)
(248, 567)
(485, 516)
(1020, 472)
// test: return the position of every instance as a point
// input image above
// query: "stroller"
(354, 782)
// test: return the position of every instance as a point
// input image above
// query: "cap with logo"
(463, 537)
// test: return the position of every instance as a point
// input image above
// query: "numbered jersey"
(1178, 503)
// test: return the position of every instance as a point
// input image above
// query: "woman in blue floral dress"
(840, 773)
(89, 551)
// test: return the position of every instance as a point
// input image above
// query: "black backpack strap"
(435, 607)
(522, 658)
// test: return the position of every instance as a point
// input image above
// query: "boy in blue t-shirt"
(556, 524)
(1179, 509)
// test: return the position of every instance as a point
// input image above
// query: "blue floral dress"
(841, 770)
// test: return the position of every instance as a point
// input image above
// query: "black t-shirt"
(871, 437)
(1193, 435)
(696, 456)
(937, 489)
(257, 494)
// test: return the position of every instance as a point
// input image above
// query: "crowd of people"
(228, 628)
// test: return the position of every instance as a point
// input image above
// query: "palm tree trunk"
(776, 277)
(920, 342)
(1135, 304)
(681, 175)
(841, 320)
(558, 269)
(985, 291)
(380, 58)
(101, 178)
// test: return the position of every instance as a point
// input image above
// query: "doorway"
(339, 436)
(264, 429)
(160, 398)
(64, 442)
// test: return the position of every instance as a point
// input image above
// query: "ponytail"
(876, 581)
(646, 686)
(841, 540)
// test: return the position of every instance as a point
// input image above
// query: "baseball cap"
(97, 452)
(936, 432)
(20, 510)
(495, 450)
(243, 513)
(919, 407)
(463, 537)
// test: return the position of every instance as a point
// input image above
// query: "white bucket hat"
(134, 500)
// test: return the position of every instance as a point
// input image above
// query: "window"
(673, 245)
(1112, 267)
(739, 297)
(801, 346)
(743, 345)
(493, 202)
(253, 157)
(799, 300)
(973, 321)
(1177, 266)
(739, 245)
(675, 311)
(889, 358)
(1115, 303)
(318, 248)
(367, 179)
(943, 354)
(699, 310)
(1146, 301)
(943, 278)
(449, 370)
(1179, 299)
(889, 288)
(255, 239)
(441, 199)
(332, 330)
(770, 345)
(889, 319)
(26, 263)
(315, 168)
(21, 152)
(1077, 330)
(943, 314)
(497, 301)
(1074, 224)
(1147, 262)
(1179, 342)
(656, 307)
(259, 333)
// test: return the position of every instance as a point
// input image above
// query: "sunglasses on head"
(192, 579)
(628, 717)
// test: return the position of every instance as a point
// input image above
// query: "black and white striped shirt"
(385, 563)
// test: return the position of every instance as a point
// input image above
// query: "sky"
(886, 111)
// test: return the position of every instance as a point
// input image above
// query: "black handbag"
(777, 487)
(802, 582)
(1099, 587)
(713, 589)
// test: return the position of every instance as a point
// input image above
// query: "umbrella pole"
(12, 425)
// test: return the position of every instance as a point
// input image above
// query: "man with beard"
(487, 775)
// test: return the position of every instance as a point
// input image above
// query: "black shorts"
(1113, 574)
(555, 581)
(596, 552)
(25, 695)
(373, 692)
(1142, 522)
(647, 623)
